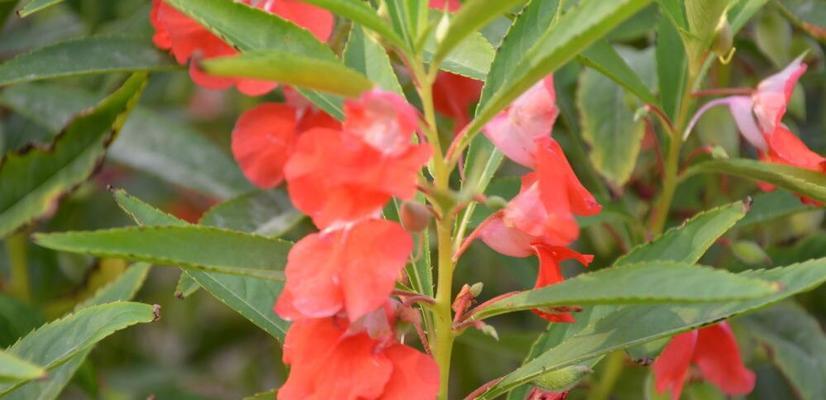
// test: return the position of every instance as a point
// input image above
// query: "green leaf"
(33, 6)
(363, 54)
(672, 67)
(406, 18)
(268, 395)
(250, 29)
(15, 369)
(58, 341)
(34, 179)
(143, 213)
(772, 205)
(311, 73)
(741, 12)
(605, 59)
(149, 141)
(796, 345)
(651, 282)
(186, 286)
(578, 29)
(123, 288)
(473, 15)
(249, 296)
(609, 124)
(189, 247)
(612, 328)
(91, 55)
(773, 36)
(689, 241)
(269, 213)
(471, 58)
(809, 15)
(675, 11)
(362, 13)
(801, 181)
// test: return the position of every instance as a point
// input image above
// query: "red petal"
(505, 240)
(671, 367)
(315, 19)
(262, 141)
(451, 5)
(415, 375)
(453, 95)
(550, 273)
(383, 120)
(718, 358)
(786, 148)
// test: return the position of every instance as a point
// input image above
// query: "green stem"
(16, 249)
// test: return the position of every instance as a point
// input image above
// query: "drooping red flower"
(186, 38)
(451, 5)
(351, 270)
(550, 273)
(714, 351)
(453, 95)
(786, 148)
(329, 360)
(265, 136)
(343, 176)
(515, 130)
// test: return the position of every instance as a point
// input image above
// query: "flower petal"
(718, 358)
(503, 239)
(262, 141)
(773, 94)
(315, 19)
(415, 375)
(672, 366)
(384, 120)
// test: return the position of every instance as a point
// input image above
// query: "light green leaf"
(471, 58)
(14, 369)
(35, 179)
(796, 345)
(578, 29)
(773, 36)
(473, 15)
(363, 54)
(91, 55)
(186, 285)
(801, 181)
(675, 11)
(741, 12)
(672, 67)
(123, 288)
(189, 247)
(311, 73)
(58, 341)
(408, 17)
(268, 213)
(605, 59)
(651, 282)
(251, 297)
(609, 125)
(33, 6)
(612, 328)
(362, 13)
(149, 141)
(689, 241)
(250, 29)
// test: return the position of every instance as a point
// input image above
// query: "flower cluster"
(759, 119)
(540, 220)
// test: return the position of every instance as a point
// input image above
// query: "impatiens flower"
(450, 5)
(265, 136)
(515, 130)
(185, 38)
(714, 351)
(351, 270)
(329, 360)
(453, 95)
(550, 273)
(337, 177)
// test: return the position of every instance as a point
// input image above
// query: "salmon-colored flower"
(550, 273)
(714, 351)
(337, 177)
(515, 130)
(453, 96)
(186, 38)
(329, 360)
(450, 5)
(351, 270)
(265, 136)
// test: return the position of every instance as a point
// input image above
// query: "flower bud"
(723, 44)
(414, 216)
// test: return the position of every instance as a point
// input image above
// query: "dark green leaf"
(652, 282)
(311, 73)
(33, 180)
(143, 213)
(772, 205)
(672, 67)
(92, 55)
(801, 181)
(33, 6)
(267, 213)
(605, 59)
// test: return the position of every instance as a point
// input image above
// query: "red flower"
(185, 38)
(450, 5)
(515, 130)
(550, 273)
(453, 95)
(351, 270)
(714, 351)
(265, 136)
(343, 176)
(330, 361)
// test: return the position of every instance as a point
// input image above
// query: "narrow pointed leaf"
(86, 56)
(672, 66)
(15, 369)
(34, 179)
(800, 181)
(653, 282)
(311, 73)
(363, 54)
(613, 328)
(123, 288)
(143, 213)
(267, 213)
(33, 6)
(58, 341)
(605, 59)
